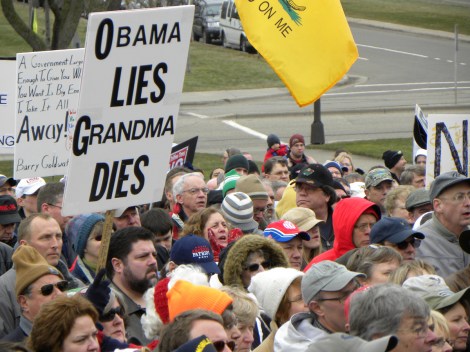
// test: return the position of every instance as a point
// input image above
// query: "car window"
(224, 9)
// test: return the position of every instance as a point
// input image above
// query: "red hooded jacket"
(345, 216)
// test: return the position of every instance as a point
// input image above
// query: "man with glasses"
(450, 197)
(252, 186)
(388, 309)
(325, 288)
(275, 169)
(42, 232)
(353, 220)
(190, 193)
(37, 283)
(27, 195)
(6, 186)
(314, 189)
(397, 233)
(49, 201)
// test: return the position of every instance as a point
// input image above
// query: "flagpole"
(317, 133)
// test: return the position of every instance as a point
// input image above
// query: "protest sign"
(7, 106)
(47, 91)
(183, 153)
(129, 101)
(447, 145)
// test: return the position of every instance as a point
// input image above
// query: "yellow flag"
(35, 21)
(308, 43)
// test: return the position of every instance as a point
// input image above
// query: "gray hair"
(379, 310)
(407, 175)
(278, 184)
(179, 185)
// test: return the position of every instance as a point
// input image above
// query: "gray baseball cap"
(417, 198)
(326, 276)
(444, 181)
(340, 342)
(434, 290)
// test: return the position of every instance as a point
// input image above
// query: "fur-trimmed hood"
(236, 257)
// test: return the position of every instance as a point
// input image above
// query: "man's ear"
(118, 265)
(314, 307)
(171, 266)
(179, 198)
(23, 302)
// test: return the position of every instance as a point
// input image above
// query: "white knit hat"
(270, 286)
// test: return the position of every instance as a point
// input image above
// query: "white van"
(231, 28)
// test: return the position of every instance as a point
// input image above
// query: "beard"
(140, 285)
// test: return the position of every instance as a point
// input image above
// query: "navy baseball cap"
(393, 230)
(284, 231)
(193, 249)
(9, 180)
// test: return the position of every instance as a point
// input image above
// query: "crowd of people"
(297, 255)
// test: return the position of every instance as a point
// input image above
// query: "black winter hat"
(252, 167)
(391, 157)
(235, 162)
(273, 139)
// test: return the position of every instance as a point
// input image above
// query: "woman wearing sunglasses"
(65, 324)
(85, 232)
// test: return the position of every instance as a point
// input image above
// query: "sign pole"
(105, 240)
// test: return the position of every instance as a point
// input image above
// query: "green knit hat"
(230, 181)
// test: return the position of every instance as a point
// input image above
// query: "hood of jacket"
(297, 334)
(345, 216)
(241, 249)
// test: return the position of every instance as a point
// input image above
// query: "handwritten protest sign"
(7, 106)
(47, 91)
(447, 143)
(129, 101)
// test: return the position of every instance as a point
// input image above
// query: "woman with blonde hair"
(306, 220)
(345, 160)
(409, 269)
(441, 329)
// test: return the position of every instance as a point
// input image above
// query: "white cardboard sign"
(448, 142)
(7, 106)
(133, 77)
(47, 91)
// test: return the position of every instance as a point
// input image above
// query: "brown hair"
(196, 222)
(55, 321)
(282, 314)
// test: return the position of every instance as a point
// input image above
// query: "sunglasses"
(220, 345)
(255, 267)
(46, 290)
(404, 245)
(109, 316)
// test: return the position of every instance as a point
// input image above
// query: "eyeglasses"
(220, 345)
(415, 243)
(259, 210)
(53, 205)
(109, 316)
(420, 331)
(193, 191)
(460, 197)
(255, 267)
(341, 299)
(364, 227)
(46, 290)
(440, 342)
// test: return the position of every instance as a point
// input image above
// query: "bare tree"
(67, 14)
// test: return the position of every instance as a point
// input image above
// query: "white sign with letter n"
(133, 77)
(448, 141)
